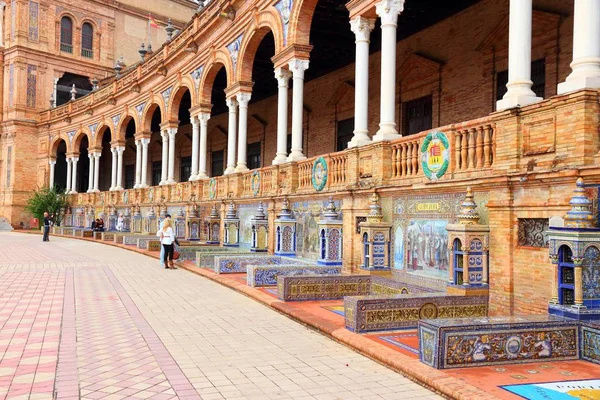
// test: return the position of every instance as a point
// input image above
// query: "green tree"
(51, 200)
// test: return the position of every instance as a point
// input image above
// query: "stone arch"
(301, 21)
(218, 60)
(56, 142)
(146, 121)
(175, 100)
(79, 135)
(128, 115)
(267, 21)
(102, 126)
(74, 19)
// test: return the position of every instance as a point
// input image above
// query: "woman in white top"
(167, 238)
(120, 223)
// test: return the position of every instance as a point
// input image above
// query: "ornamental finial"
(580, 215)
(214, 214)
(260, 213)
(231, 211)
(375, 215)
(468, 210)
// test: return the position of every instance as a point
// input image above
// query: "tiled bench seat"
(473, 342)
(403, 311)
(331, 287)
(235, 264)
(266, 275)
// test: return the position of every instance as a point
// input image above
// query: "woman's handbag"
(176, 253)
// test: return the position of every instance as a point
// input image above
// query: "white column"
(97, 171)
(165, 157)
(388, 11)
(2, 6)
(138, 163)
(283, 77)
(68, 188)
(52, 165)
(519, 57)
(297, 67)
(195, 140)
(231, 134)
(586, 48)
(243, 99)
(74, 174)
(144, 165)
(362, 28)
(120, 151)
(113, 170)
(172, 133)
(91, 172)
(203, 117)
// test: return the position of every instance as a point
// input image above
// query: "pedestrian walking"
(167, 239)
(46, 227)
(162, 250)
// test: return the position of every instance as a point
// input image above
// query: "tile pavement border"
(67, 379)
(433, 379)
(180, 383)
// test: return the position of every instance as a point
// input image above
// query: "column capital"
(172, 132)
(52, 161)
(362, 28)
(388, 11)
(145, 142)
(298, 66)
(243, 98)
(164, 133)
(231, 103)
(120, 149)
(203, 118)
(283, 76)
(74, 159)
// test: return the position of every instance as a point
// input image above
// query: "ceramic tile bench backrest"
(266, 275)
(189, 253)
(205, 257)
(232, 264)
(133, 239)
(589, 334)
(339, 286)
(473, 342)
(322, 287)
(403, 311)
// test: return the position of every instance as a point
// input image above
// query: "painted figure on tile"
(544, 345)
(399, 248)
(427, 242)
(479, 349)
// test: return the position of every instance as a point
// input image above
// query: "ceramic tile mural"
(245, 214)
(307, 214)
(468, 342)
(591, 276)
(378, 313)
(590, 341)
(291, 288)
(419, 236)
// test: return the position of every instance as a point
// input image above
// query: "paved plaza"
(86, 320)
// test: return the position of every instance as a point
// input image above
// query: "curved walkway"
(86, 320)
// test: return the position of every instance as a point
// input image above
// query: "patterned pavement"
(85, 320)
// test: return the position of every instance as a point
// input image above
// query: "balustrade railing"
(339, 169)
(405, 156)
(305, 174)
(474, 147)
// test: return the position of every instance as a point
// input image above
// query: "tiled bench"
(331, 287)
(474, 342)
(590, 341)
(235, 264)
(266, 275)
(403, 311)
(205, 257)
(108, 236)
(132, 240)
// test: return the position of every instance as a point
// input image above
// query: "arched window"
(87, 40)
(66, 35)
